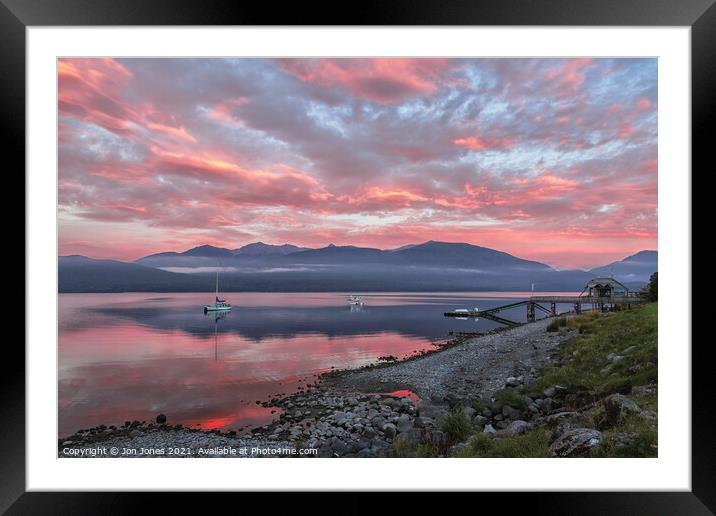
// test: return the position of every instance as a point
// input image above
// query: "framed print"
(415, 250)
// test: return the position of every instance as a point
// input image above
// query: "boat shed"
(605, 287)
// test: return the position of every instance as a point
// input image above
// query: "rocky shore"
(485, 386)
(340, 417)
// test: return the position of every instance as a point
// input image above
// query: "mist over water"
(133, 356)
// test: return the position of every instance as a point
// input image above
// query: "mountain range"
(430, 266)
(431, 254)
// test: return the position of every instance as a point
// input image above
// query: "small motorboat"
(355, 300)
(219, 305)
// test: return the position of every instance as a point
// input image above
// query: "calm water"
(133, 356)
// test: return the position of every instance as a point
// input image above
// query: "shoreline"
(571, 386)
(355, 412)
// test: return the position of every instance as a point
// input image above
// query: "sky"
(553, 160)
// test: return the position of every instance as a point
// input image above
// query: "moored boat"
(219, 305)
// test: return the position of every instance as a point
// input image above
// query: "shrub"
(652, 288)
(456, 425)
(479, 406)
(556, 324)
(478, 446)
(427, 450)
(512, 397)
(402, 447)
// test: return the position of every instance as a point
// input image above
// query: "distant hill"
(445, 254)
(201, 256)
(633, 269)
(211, 256)
(337, 255)
(209, 251)
(81, 274)
(261, 249)
(428, 254)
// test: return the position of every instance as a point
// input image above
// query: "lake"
(135, 355)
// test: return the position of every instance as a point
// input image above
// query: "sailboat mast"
(217, 283)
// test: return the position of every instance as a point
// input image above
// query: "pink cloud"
(625, 130)
(386, 81)
(570, 75)
(224, 111)
(475, 143)
(176, 132)
(89, 89)
(643, 104)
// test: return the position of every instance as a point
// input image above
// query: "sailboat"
(219, 304)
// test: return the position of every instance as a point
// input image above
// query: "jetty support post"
(553, 309)
(578, 308)
(530, 312)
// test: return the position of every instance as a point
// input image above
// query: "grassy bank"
(603, 384)
(585, 359)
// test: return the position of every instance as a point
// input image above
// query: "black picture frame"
(700, 15)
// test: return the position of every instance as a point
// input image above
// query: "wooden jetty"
(600, 294)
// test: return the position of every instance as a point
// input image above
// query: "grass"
(512, 397)
(479, 406)
(529, 445)
(556, 324)
(585, 362)
(584, 359)
(456, 425)
(642, 444)
(402, 447)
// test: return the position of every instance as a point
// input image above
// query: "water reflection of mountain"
(257, 323)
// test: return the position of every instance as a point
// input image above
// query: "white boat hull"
(214, 308)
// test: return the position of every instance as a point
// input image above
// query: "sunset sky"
(549, 159)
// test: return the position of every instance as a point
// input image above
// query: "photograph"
(357, 257)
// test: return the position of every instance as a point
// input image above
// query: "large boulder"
(366, 453)
(495, 406)
(643, 390)
(480, 421)
(555, 391)
(515, 428)
(453, 400)
(469, 412)
(575, 442)
(513, 381)
(618, 406)
(511, 412)
(404, 423)
(431, 410)
(574, 419)
(389, 430)
(423, 422)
